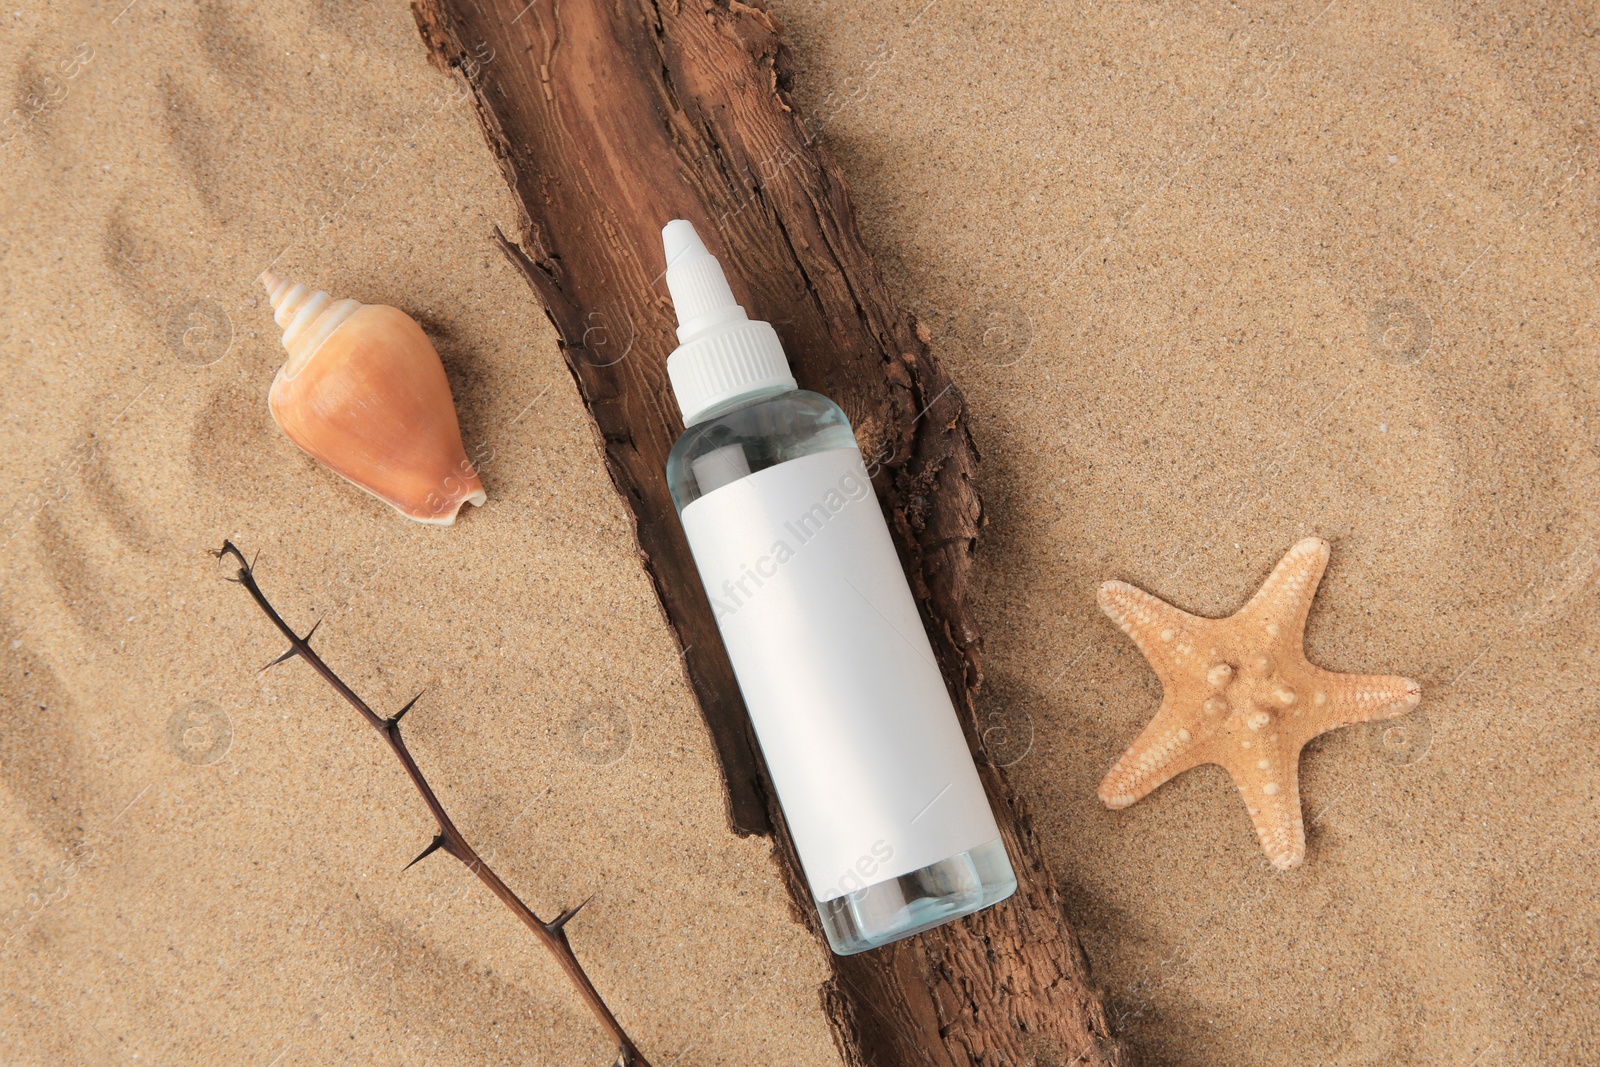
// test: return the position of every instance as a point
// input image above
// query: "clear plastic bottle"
(869, 762)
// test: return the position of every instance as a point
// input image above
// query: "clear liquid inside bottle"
(755, 433)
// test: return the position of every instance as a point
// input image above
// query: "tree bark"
(610, 118)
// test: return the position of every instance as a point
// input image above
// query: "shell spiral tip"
(275, 284)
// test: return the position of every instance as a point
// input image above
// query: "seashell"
(364, 393)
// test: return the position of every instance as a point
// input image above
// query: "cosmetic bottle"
(871, 769)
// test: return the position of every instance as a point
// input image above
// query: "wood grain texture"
(609, 119)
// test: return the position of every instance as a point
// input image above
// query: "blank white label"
(852, 714)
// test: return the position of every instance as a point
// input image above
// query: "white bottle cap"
(722, 353)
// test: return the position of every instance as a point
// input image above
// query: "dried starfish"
(1240, 693)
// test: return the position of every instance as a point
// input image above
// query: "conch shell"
(365, 394)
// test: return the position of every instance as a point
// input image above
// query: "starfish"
(1239, 692)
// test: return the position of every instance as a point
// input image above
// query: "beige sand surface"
(1153, 241)
(1212, 277)
(251, 910)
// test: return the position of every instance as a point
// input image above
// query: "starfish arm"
(1274, 805)
(1284, 600)
(1162, 751)
(1356, 698)
(1166, 635)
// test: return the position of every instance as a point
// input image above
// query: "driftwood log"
(609, 118)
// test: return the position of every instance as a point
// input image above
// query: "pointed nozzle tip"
(679, 239)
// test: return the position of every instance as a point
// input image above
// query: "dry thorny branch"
(551, 934)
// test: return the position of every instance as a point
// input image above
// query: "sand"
(1212, 278)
